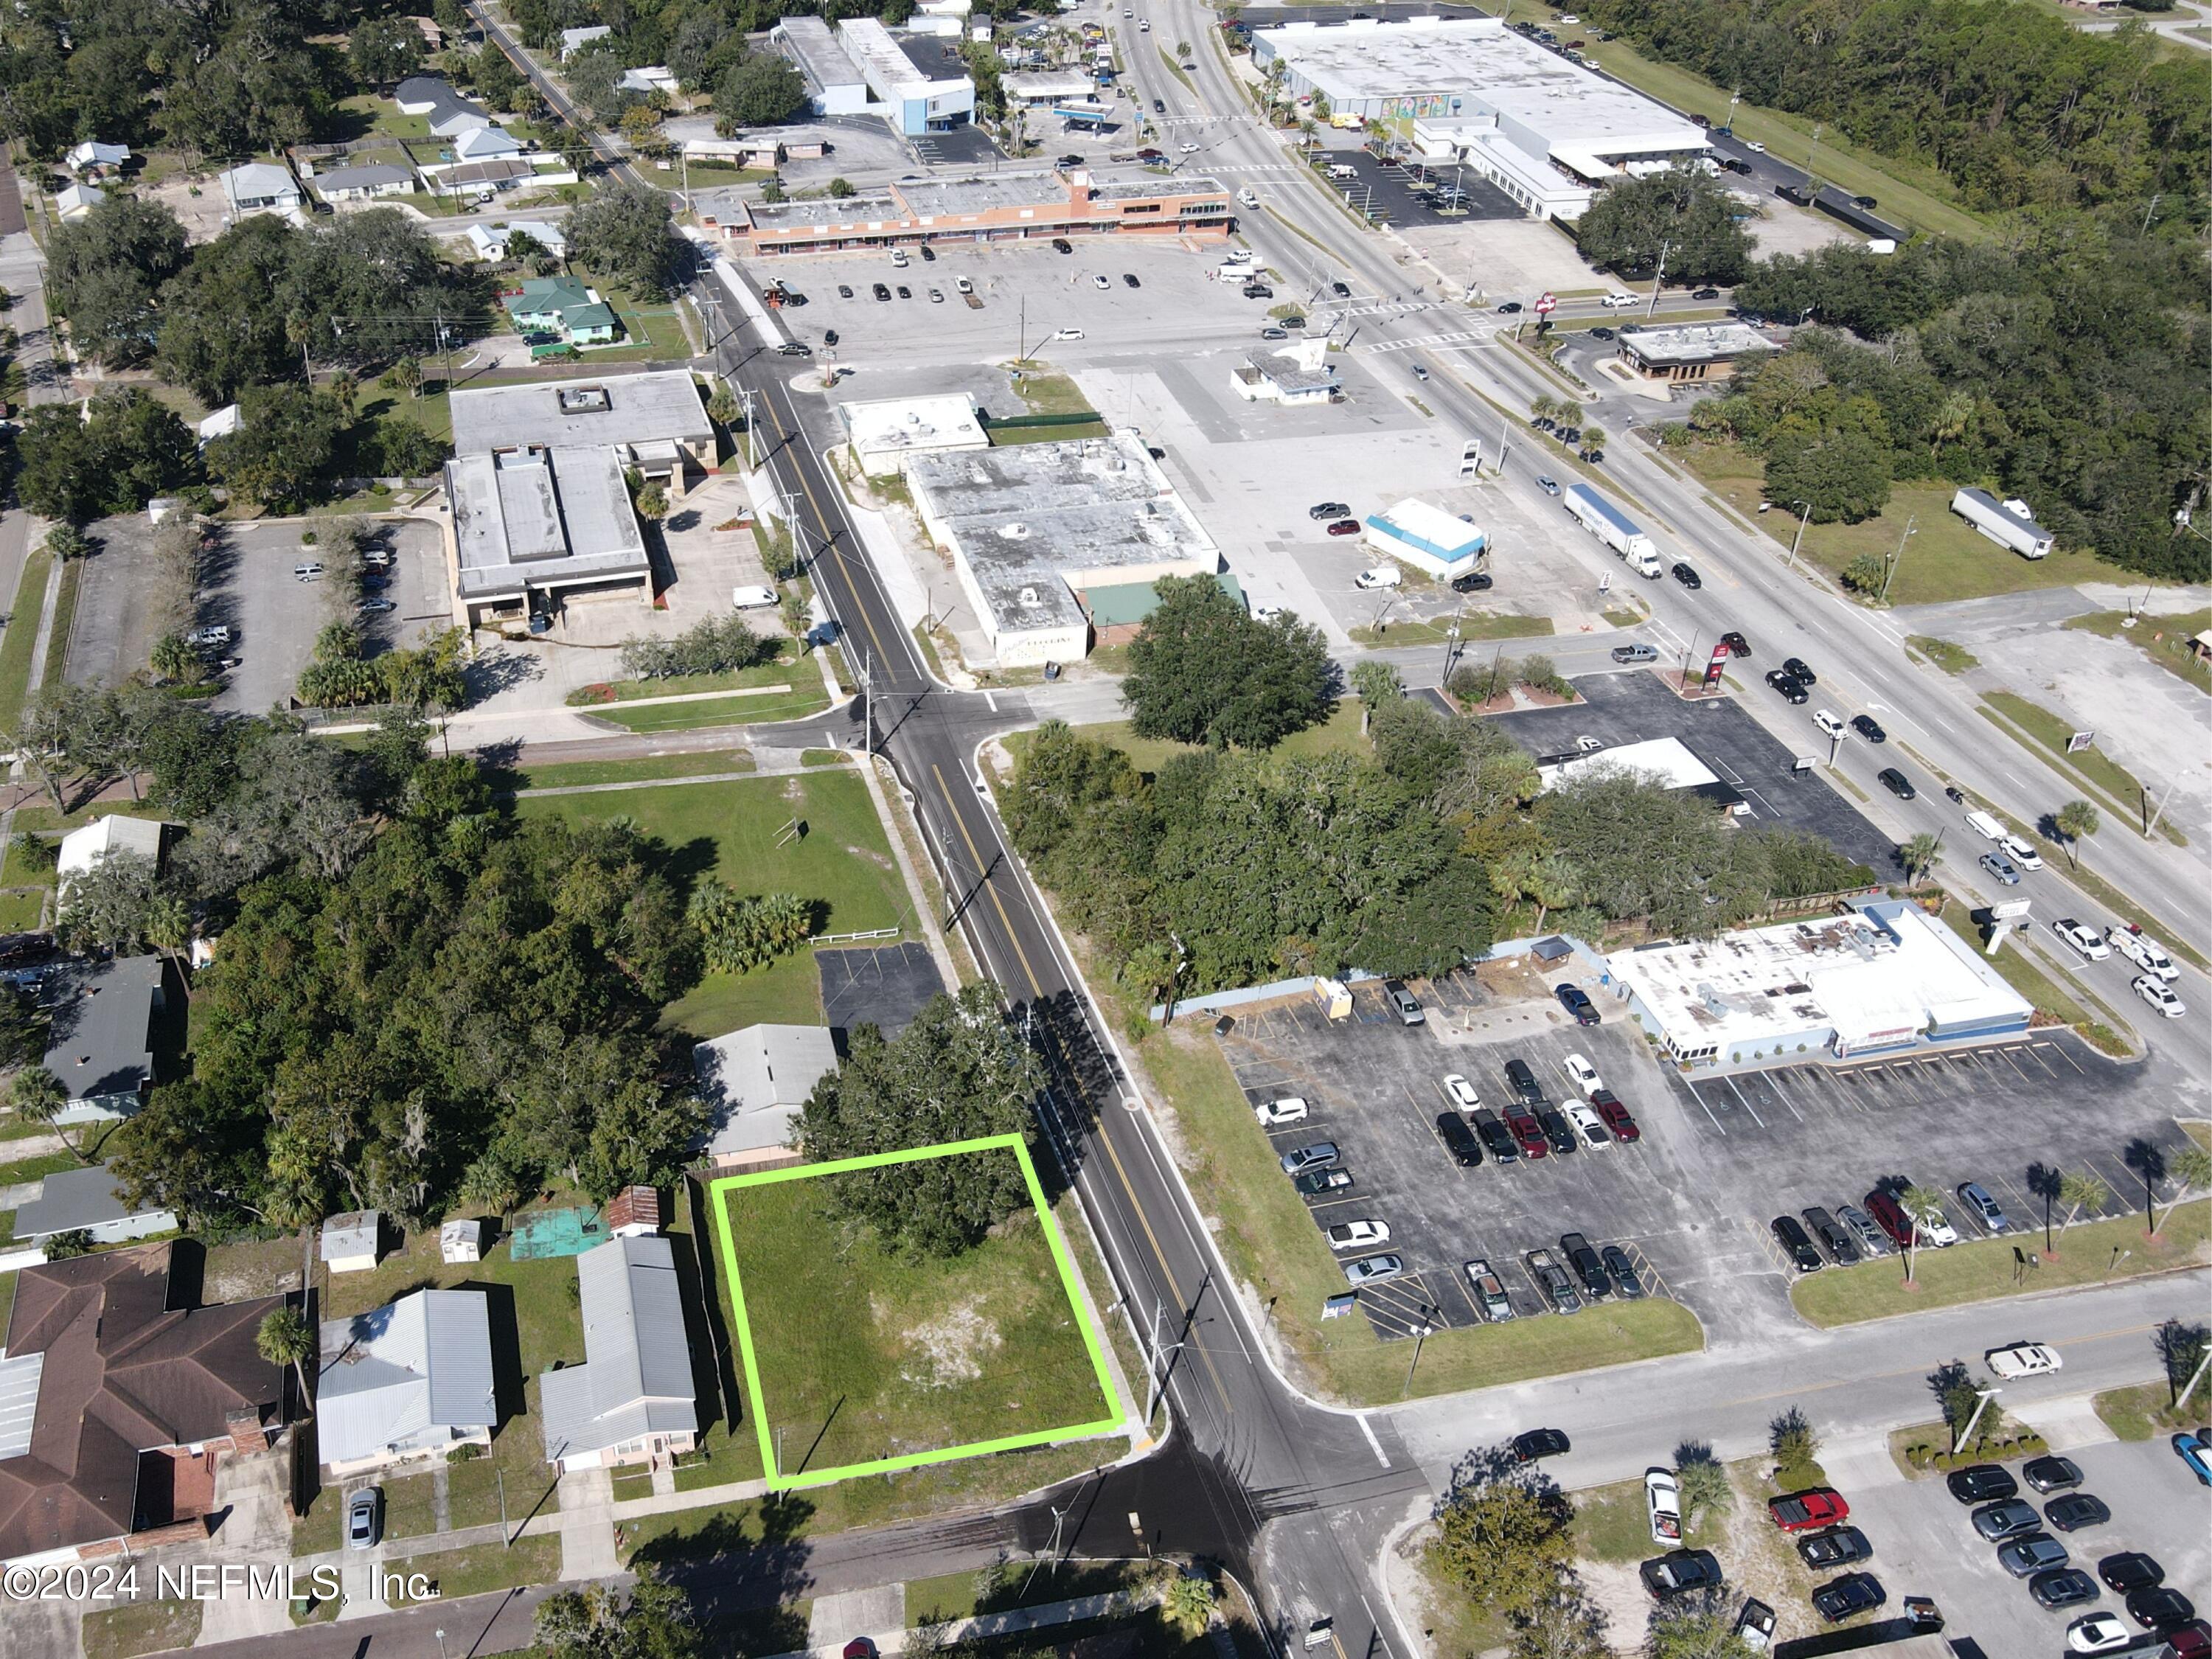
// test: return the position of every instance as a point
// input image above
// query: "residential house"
(485, 179)
(73, 202)
(101, 1041)
(632, 1398)
(219, 423)
(659, 78)
(572, 40)
(116, 1398)
(88, 1200)
(562, 306)
(351, 1241)
(410, 1380)
(364, 183)
(486, 144)
(259, 187)
(445, 110)
(755, 1082)
(84, 849)
(94, 154)
(489, 242)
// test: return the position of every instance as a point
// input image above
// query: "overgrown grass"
(865, 1354)
(805, 697)
(483, 1567)
(22, 636)
(1983, 1270)
(2164, 639)
(1946, 654)
(2123, 793)
(1050, 393)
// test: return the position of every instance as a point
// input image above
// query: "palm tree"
(1568, 412)
(1552, 881)
(1919, 854)
(287, 1339)
(1951, 419)
(2083, 1191)
(2193, 1165)
(1546, 408)
(1922, 1207)
(1593, 437)
(1513, 875)
(38, 1097)
(2076, 819)
(1376, 683)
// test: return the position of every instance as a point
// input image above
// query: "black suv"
(1459, 1140)
(1982, 1483)
(1556, 1130)
(1496, 1139)
(1523, 1082)
(1797, 1244)
(1589, 1266)
(1841, 1246)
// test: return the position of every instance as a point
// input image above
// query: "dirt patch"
(195, 199)
(951, 1348)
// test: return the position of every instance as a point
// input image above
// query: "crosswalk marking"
(1463, 336)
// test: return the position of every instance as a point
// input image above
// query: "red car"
(1615, 1115)
(1345, 527)
(1889, 1214)
(1802, 1511)
(1529, 1131)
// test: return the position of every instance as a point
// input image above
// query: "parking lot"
(1390, 195)
(1621, 708)
(1718, 1159)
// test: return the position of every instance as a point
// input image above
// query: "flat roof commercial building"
(1667, 761)
(1695, 351)
(885, 432)
(1546, 131)
(1296, 374)
(655, 421)
(1885, 976)
(1029, 527)
(551, 522)
(923, 87)
(1434, 541)
(996, 208)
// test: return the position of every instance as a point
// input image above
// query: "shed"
(351, 1241)
(461, 1241)
(634, 1212)
(1553, 949)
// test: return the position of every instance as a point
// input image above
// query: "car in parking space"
(1384, 575)
(365, 1518)
(962, 285)
(1559, 1134)
(1635, 654)
(1897, 783)
(1832, 1235)
(2062, 1588)
(880, 291)
(1061, 245)
(1527, 1133)
(1321, 510)
(1843, 1598)
(1682, 572)
(2001, 868)
(1589, 1266)
(374, 607)
(1796, 667)
(2097, 1632)
(1663, 1503)
(1984, 1208)
(1403, 1003)
(2158, 994)
(1803, 1511)
(906, 293)
(1786, 686)
(2012, 1518)
(1549, 486)
(1373, 1270)
(2024, 1359)
(1521, 1079)
(1552, 1279)
(1839, 1546)
(1736, 643)
(1461, 1092)
(1587, 1125)
(215, 634)
(1616, 1115)
(1871, 1240)
(2075, 1512)
(2161, 1608)
(1679, 1572)
(1575, 1001)
(2022, 852)
(1581, 1074)
(1627, 1284)
(1869, 728)
(1357, 1235)
(1317, 1184)
(1459, 1140)
(2023, 1557)
(2130, 1571)
(928, 254)
(1488, 1291)
(1317, 1155)
(1474, 582)
(844, 291)
(1828, 725)
(310, 571)
(1496, 1139)
(2051, 1473)
(1129, 280)
(1796, 1244)
(1536, 1443)
(1981, 1483)
(1290, 1109)
(1256, 290)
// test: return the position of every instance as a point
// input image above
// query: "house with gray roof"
(448, 113)
(259, 187)
(631, 1400)
(754, 1082)
(364, 183)
(412, 1379)
(88, 1200)
(101, 1041)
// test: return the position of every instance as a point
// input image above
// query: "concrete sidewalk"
(1118, 1603)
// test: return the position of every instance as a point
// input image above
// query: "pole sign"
(1722, 656)
(1339, 1305)
(1547, 304)
(2076, 742)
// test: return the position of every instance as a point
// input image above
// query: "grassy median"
(2093, 1253)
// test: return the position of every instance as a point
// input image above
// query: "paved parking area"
(1621, 708)
(959, 147)
(1925, 1544)
(885, 986)
(1389, 195)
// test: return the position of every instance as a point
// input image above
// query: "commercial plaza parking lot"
(1719, 1158)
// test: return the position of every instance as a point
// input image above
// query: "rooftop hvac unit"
(1014, 533)
(1029, 599)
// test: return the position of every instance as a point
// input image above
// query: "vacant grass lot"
(1945, 560)
(805, 697)
(1947, 654)
(1481, 625)
(1272, 1246)
(780, 674)
(2123, 794)
(22, 633)
(1337, 735)
(124, 1632)
(863, 1355)
(730, 830)
(560, 775)
(2165, 639)
(1983, 1271)
(1613, 1523)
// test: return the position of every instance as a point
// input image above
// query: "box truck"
(1614, 528)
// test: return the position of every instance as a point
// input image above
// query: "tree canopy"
(624, 232)
(1689, 215)
(1203, 670)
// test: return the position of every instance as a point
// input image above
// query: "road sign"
(2078, 741)
(1547, 304)
(1470, 458)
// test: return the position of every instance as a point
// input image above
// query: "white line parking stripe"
(1700, 1099)
(1738, 1094)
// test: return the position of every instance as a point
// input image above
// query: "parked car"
(1843, 1598)
(880, 291)
(1461, 1092)
(1558, 1133)
(2077, 1511)
(2130, 1571)
(1786, 686)
(1984, 1208)
(1272, 1113)
(1520, 1078)
(1061, 245)
(1683, 574)
(1373, 1270)
(1527, 1133)
(1627, 1283)
(1802, 1511)
(215, 634)
(365, 1518)
(2023, 1557)
(1680, 1572)
(1552, 1279)
(2196, 1454)
(1359, 1235)
(1635, 654)
(1488, 1291)
(1662, 1501)
(308, 572)
(1981, 1483)
(1384, 575)
(1755, 1624)
(1589, 1266)
(1872, 1242)
(962, 285)
(1577, 1003)
(1583, 1075)
(1602, 332)
(1536, 1443)
(374, 607)
(1320, 1154)
(844, 291)
(2012, 1518)
(2160, 1610)
(2024, 1359)
(1935, 1229)
(2062, 1588)
(1496, 1139)
(1897, 783)
(1796, 1244)
(1475, 581)
(1587, 1125)
(2052, 1474)
(1616, 1117)
(1832, 1235)
(1459, 1140)
(2097, 1632)
(1322, 510)
(1839, 1546)
(1317, 1184)
(1403, 1003)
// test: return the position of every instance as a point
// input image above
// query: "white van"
(752, 598)
(1341, 170)
(1381, 575)
(1985, 826)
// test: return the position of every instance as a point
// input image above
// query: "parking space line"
(2062, 1054)
(1649, 1272)
(2007, 1054)
(1459, 1282)
(1700, 1099)
(1766, 1238)
(1331, 1203)
(1738, 1094)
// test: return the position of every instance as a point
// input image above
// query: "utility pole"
(1658, 277)
(1813, 155)
(1981, 1402)
(1733, 98)
(1804, 516)
(1898, 559)
(1505, 431)
(1155, 1370)
(1420, 1336)
(2150, 828)
(2195, 1377)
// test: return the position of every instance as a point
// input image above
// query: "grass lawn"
(23, 634)
(1482, 625)
(2123, 794)
(57, 642)
(2020, 971)
(558, 774)
(807, 697)
(43, 819)
(1952, 659)
(124, 1632)
(677, 685)
(863, 1355)
(1001, 1588)
(481, 1567)
(2164, 639)
(731, 830)
(38, 1168)
(1050, 393)
(1338, 734)
(2143, 1413)
(21, 908)
(1983, 1271)
(1946, 559)
(1272, 1245)
(1613, 1523)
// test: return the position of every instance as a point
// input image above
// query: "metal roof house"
(632, 1398)
(485, 144)
(84, 849)
(94, 154)
(754, 1081)
(100, 1042)
(88, 1200)
(259, 187)
(410, 1379)
(489, 242)
(835, 85)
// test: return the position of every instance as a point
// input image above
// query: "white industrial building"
(922, 83)
(1547, 131)
(835, 85)
(1035, 87)
(1426, 538)
(1886, 976)
(887, 432)
(1296, 374)
(2007, 523)
(1664, 761)
(1031, 526)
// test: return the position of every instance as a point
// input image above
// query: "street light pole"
(1804, 516)
(1898, 559)
(1983, 1396)
(1658, 277)
(1420, 1336)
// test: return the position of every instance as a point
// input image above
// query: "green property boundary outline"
(777, 1480)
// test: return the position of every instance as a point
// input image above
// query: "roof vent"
(1029, 599)
(1014, 533)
